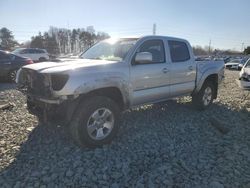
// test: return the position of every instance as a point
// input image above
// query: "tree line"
(64, 41)
(56, 40)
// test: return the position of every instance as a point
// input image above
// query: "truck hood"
(69, 65)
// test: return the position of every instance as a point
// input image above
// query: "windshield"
(110, 49)
(17, 50)
(235, 61)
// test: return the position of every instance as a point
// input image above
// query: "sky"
(225, 22)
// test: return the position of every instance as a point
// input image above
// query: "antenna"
(154, 29)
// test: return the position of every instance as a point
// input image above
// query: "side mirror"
(143, 58)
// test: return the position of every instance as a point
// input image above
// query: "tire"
(12, 76)
(42, 59)
(204, 98)
(87, 129)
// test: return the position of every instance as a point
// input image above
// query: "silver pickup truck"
(88, 94)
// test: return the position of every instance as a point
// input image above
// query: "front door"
(151, 81)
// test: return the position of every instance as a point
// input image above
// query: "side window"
(178, 51)
(25, 51)
(32, 51)
(38, 51)
(41, 51)
(156, 48)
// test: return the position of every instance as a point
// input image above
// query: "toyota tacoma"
(88, 94)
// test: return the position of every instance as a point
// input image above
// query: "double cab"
(88, 94)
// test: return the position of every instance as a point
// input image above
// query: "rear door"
(183, 68)
(150, 82)
(33, 54)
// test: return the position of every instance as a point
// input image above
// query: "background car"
(235, 64)
(244, 80)
(36, 54)
(10, 63)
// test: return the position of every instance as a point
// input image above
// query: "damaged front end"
(40, 91)
(244, 81)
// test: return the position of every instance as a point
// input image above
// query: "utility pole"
(154, 29)
(209, 48)
(242, 46)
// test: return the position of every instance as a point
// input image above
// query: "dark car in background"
(10, 63)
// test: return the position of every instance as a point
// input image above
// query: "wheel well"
(42, 58)
(110, 92)
(213, 78)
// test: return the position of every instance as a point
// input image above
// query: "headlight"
(58, 81)
(244, 75)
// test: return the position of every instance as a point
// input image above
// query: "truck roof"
(154, 36)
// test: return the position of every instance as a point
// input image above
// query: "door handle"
(190, 68)
(8, 63)
(165, 70)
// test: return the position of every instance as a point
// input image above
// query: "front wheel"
(204, 98)
(95, 122)
(42, 59)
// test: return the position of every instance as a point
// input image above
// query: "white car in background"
(36, 54)
(235, 64)
(244, 80)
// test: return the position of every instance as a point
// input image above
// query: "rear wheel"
(204, 98)
(42, 59)
(95, 122)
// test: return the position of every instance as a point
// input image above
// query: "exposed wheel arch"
(213, 78)
(109, 92)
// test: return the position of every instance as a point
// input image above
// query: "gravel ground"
(163, 145)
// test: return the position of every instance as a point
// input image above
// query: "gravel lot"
(163, 145)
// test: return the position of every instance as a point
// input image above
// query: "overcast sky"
(225, 22)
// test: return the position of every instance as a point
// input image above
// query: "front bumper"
(46, 100)
(243, 84)
(53, 110)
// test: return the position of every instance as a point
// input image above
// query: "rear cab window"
(179, 51)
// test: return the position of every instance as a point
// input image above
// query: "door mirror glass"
(143, 58)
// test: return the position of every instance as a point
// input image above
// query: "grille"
(36, 84)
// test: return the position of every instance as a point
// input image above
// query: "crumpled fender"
(79, 84)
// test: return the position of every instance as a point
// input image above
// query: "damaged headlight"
(245, 77)
(58, 81)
